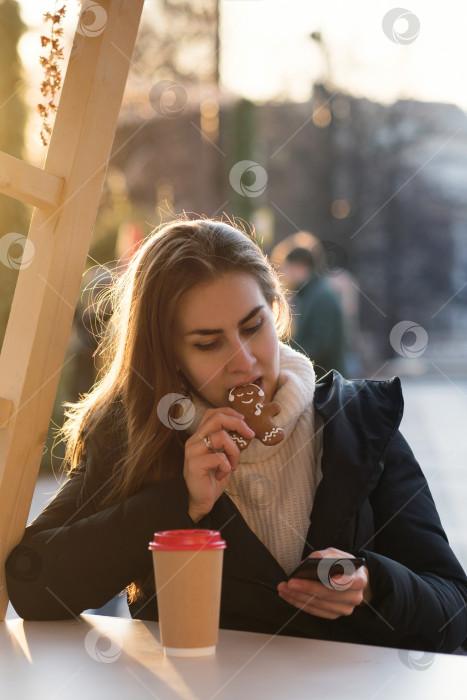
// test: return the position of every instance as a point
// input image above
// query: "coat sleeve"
(75, 556)
(419, 587)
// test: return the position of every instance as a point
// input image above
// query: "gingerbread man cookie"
(258, 416)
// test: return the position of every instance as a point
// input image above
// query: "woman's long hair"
(138, 361)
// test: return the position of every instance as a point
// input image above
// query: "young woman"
(199, 312)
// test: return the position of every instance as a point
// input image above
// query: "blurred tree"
(179, 40)
(243, 146)
(13, 215)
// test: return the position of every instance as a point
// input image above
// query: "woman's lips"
(257, 382)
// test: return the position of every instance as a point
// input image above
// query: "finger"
(338, 555)
(325, 592)
(212, 462)
(328, 599)
(224, 409)
(332, 552)
(221, 442)
(223, 421)
(212, 412)
(343, 582)
(349, 577)
(305, 586)
(299, 600)
(352, 582)
(304, 593)
(317, 606)
(318, 554)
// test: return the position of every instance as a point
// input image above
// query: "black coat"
(373, 499)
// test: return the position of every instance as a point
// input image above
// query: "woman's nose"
(241, 359)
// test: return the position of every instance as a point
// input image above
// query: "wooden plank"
(29, 184)
(47, 289)
(6, 407)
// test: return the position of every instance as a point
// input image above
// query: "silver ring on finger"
(208, 443)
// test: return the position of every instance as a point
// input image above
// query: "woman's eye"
(250, 330)
(256, 327)
(205, 346)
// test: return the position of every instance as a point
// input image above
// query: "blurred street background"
(345, 120)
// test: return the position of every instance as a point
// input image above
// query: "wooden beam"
(29, 184)
(47, 289)
(6, 408)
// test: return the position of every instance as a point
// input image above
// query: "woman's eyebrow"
(214, 331)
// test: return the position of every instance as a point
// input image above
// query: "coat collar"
(360, 417)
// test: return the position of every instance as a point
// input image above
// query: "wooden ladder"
(65, 194)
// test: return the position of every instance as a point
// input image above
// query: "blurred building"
(383, 187)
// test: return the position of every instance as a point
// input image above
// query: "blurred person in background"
(318, 322)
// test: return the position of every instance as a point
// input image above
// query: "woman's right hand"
(207, 473)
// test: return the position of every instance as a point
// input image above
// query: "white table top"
(105, 657)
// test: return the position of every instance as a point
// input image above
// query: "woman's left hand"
(317, 599)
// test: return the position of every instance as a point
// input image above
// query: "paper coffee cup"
(188, 577)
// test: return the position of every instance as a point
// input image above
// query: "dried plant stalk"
(52, 82)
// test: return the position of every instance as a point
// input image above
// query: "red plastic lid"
(180, 540)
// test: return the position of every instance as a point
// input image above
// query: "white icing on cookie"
(241, 442)
(272, 433)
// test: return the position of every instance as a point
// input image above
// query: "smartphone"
(328, 567)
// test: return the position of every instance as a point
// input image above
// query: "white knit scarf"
(274, 486)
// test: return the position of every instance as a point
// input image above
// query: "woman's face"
(224, 336)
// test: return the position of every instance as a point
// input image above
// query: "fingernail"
(295, 585)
